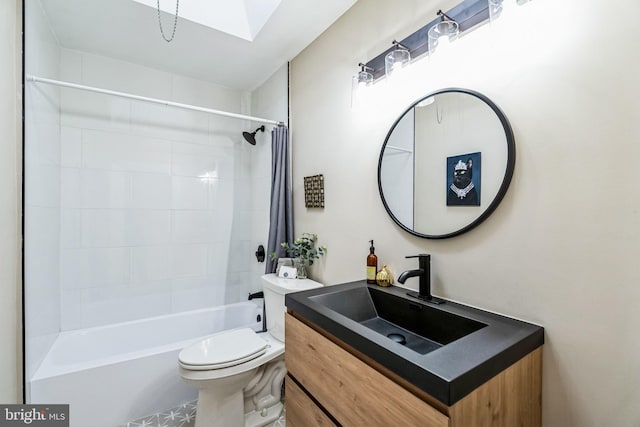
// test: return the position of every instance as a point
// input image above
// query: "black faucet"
(424, 272)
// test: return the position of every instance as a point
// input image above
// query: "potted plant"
(303, 251)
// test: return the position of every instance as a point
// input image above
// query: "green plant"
(304, 248)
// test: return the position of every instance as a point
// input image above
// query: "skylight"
(239, 18)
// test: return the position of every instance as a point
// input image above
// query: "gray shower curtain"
(281, 216)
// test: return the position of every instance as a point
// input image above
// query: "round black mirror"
(446, 163)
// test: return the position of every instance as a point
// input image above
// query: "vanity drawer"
(350, 390)
(301, 410)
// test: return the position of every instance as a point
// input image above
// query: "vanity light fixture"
(442, 33)
(447, 26)
(359, 83)
(397, 59)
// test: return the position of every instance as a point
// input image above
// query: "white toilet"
(239, 373)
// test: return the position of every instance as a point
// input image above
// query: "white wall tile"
(41, 311)
(70, 188)
(104, 150)
(124, 227)
(104, 189)
(85, 268)
(239, 256)
(189, 193)
(70, 228)
(242, 161)
(150, 263)
(218, 261)
(221, 193)
(261, 163)
(106, 306)
(198, 160)
(191, 91)
(196, 298)
(42, 241)
(89, 110)
(261, 194)
(241, 225)
(175, 124)
(71, 147)
(226, 131)
(122, 76)
(71, 309)
(147, 227)
(188, 260)
(193, 226)
(243, 194)
(43, 125)
(237, 287)
(150, 191)
(103, 227)
(42, 185)
(223, 224)
(191, 282)
(260, 226)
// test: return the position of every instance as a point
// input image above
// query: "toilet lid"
(222, 350)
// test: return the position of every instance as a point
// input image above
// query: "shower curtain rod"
(153, 100)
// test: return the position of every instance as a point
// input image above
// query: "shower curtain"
(281, 215)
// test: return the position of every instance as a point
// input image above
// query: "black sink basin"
(446, 350)
(401, 319)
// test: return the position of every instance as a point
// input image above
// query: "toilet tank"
(275, 288)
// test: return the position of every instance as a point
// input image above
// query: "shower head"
(251, 136)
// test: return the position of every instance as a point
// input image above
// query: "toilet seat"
(223, 350)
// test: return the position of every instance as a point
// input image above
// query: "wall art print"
(463, 180)
(314, 191)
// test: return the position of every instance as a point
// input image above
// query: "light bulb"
(441, 35)
(396, 60)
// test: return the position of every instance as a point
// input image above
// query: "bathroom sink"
(446, 350)
(402, 319)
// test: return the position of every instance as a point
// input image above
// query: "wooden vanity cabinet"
(328, 383)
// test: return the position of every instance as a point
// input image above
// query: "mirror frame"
(511, 160)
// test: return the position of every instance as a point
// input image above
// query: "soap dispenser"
(372, 265)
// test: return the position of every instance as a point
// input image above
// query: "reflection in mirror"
(446, 163)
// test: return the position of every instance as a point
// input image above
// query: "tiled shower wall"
(156, 202)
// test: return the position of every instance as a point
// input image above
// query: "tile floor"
(181, 416)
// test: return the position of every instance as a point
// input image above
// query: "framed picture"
(314, 191)
(463, 180)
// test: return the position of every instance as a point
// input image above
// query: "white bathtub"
(113, 374)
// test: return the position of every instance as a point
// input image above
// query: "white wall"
(560, 249)
(10, 183)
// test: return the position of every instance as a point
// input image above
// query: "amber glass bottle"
(372, 265)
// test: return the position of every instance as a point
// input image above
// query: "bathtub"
(113, 374)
